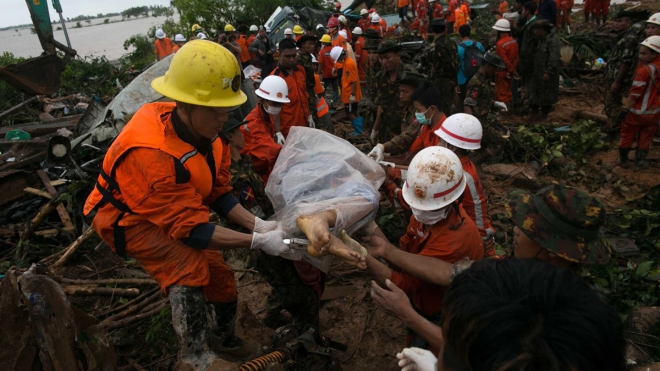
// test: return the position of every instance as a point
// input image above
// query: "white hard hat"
(201, 36)
(655, 19)
(357, 31)
(652, 42)
(375, 18)
(336, 52)
(342, 19)
(502, 25)
(343, 33)
(318, 26)
(435, 179)
(179, 38)
(365, 11)
(288, 31)
(254, 28)
(160, 33)
(274, 88)
(314, 58)
(461, 130)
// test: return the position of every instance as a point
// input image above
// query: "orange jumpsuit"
(451, 16)
(507, 49)
(350, 75)
(258, 133)
(443, 241)
(465, 9)
(326, 62)
(361, 57)
(163, 47)
(601, 7)
(253, 56)
(380, 27)
(438, 11)
(474, 202)
(175, 48)
(564, 12)
(158, 208)
(364, 23)
(503, 8)
(245, 53)
(460, 18)
(294, 113)
(644, 115)
(339, 40)
(422, 17)
(427, 137)
(588, 6)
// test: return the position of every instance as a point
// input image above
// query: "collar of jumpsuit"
(202, 144)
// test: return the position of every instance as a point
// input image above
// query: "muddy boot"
(223, 339)
(586, 17)
(191, 328)
(623, 158)
(640, 158)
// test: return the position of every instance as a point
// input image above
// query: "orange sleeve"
(501, 52)
(261, 147)
(417, 145)
(154, 194)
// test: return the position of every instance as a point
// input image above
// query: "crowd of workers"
(174, 161)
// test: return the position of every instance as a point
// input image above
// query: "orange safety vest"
(322, 107)
(151, 127)
(243, 43)
(163, 47)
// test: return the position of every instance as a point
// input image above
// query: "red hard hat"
(337, 5)
(333, 22)
(372, 10)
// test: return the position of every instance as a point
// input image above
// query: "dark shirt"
(548, 10)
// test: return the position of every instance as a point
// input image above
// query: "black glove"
(622, 115)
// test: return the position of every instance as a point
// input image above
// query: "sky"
(15, 12)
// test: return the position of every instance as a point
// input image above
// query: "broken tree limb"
(17, 107)
(73, 247)
(142, 306)
(104, 291)
(127, 321)
(592, 116)
(37, 192)
(61, 210)
(34, 223)
(130, 303)
(112, 281)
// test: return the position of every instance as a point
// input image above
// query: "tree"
(78, 25)
(106, 21)
(159, 11)
(88, 22)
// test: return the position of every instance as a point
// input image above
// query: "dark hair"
(242, 28)
(525, 314)
(438, 28)
(286, 44)
(530, 6)
(428, 95)
(464, 30)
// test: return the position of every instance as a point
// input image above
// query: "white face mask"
(273, 110)
(431, 217)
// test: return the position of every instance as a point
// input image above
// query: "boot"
(223, 337)
(623, 158)
(357, 126)
(586, 17)
(191, 327)
(640, 158)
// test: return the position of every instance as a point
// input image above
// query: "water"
(98, 39)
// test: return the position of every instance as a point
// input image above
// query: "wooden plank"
(61, 210)
(45, 127)
(37, 192)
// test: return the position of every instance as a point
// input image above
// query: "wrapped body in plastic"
(317, 172)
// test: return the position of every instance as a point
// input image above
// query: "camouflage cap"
(372, 45)
(564, 220)
(231, 124)
(370, 33)
(388, 46)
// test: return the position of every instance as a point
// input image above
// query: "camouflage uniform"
(288, 291)
(444, 62)
(528, 45)
(546, 60)
(409, 131)
(370, 117)
(305, 62)
(624, 52)
(480, 96)
(387, 96)
(564, 220)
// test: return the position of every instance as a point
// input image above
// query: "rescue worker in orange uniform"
(361, 54)
(242, 41)
(378, 24)
(462, 133)
(263, 138)
(351, 94)
(502, 8)
(296, 112)
(465, 9)
(450, 16)
(179, 41)
(507, 49)
(460, 17)
(422, 18)
(601, 8)
(588, 9)
(437, 10)
(439, 229)
(640, 113)
(343, 26)
(564, 13)
(364, 22)
(253, 35)
(163, 46)
(333, 31)
(160, 176)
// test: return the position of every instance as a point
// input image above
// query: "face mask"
(430, 217)
(273, 110)
(421, 117)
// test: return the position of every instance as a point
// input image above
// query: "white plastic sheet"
(317, 171)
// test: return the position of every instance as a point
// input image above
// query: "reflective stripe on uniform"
(478, 212)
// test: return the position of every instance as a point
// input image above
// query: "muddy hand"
(392, 300)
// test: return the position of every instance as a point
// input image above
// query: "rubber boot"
(586, 17)
(640, 158)
(191, 328)
(623, 158)
(357, 126)
(223, 339)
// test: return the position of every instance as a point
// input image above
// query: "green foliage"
(143, 54)
(8, 95)
(393, 222)
(106, 21)
(90, 76)
(162, 11)
(78, 25)
(160, 334)
(136, 12)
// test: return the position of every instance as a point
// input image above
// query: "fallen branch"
(130, 303)
(61, 210)
(73, 247)
(135, 308)
(592, 116)
(112, 281)
(125, 322)
(34, 223)
(105, 291)
(37, 192)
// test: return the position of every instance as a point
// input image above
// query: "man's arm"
(377, 121)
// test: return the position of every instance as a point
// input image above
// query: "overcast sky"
(15, 12)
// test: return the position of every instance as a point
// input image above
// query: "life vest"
(321, 107)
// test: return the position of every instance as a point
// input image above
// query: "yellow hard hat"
(326, 39)
(202, 73)
(298, 30)
(229, 28)
(196, 27)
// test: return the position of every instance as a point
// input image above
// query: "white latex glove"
(500, 105)
(311, 122)
(351, 99)
(377, 153)
(280, 138)
(263, 226)
(416, 359)
(272, 243)
(373, 136)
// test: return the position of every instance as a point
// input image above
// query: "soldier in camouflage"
(480, 97)
(442, 56)
(544, 85)
(620, 68)
(528, 43)
(288, 290)
(390, 109)
(306, 45)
